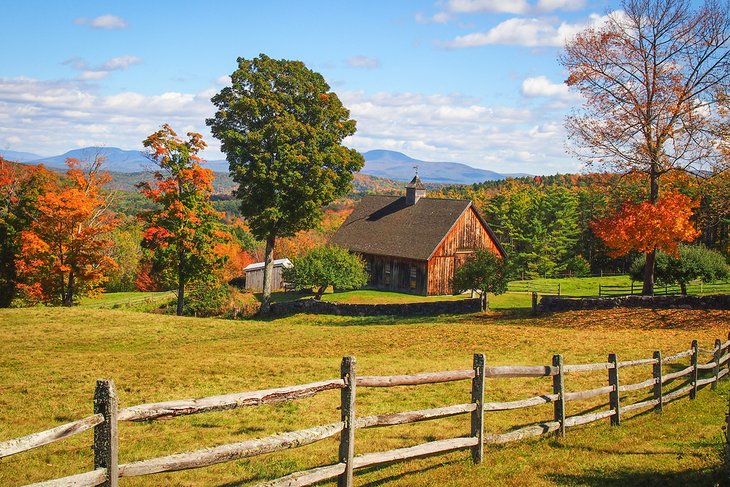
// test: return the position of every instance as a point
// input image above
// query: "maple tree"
(20, 187)
(182, 235)
(281, 129)
(652, 78)
(64, 249)
(646, 227)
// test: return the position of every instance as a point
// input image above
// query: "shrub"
(327, 266)
(209, 298)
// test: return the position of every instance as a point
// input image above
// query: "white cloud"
(541, 86)
(529, 32)
(363, 62)
(224, 80)
(107, 21)
(51, 117)
(461, 129)
(495, 6)
(88, 73)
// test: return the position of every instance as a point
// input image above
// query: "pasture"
(50, 360)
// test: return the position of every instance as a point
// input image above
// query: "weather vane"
(416, 168)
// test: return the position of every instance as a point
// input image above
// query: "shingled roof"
(386, 225)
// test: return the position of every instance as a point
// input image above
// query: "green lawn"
(133, 301)
(51, 357)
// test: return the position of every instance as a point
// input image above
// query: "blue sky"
(474, 81)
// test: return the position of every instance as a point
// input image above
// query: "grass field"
(50, 359)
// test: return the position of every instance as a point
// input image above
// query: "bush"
(578, 266)
(483, 271)
(327, 266)
(694, 262)
(209, 298)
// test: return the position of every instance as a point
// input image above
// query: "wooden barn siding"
(255, 280)
(400, 274)
(467, 235)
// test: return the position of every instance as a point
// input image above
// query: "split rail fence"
(107, 415)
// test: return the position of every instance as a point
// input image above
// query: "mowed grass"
(50, 359)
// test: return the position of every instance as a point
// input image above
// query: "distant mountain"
(12, 155)
(398, 166)
(117, 160)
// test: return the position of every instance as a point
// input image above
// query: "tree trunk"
(180, 284)
(68, 296)
(268, 272)
(648, 287)
(485, 300)
(320, 292)
(683, 288)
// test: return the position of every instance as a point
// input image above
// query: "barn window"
(387, 273)
(413, 276)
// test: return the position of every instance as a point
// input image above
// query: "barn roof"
(386, 225)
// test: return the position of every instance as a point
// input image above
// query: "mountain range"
(381, 163)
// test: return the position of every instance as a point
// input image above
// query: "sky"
(472, 81)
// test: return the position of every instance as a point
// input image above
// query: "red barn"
(413, 243)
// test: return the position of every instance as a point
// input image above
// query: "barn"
(413, 243)
(255, 275)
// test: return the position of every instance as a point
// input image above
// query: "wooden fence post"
(534, 302)
(657, 373)
(613, 396)
(716, 368)
(347, 415)
(477, 416)
(106, 438)
(559, 388)
(693, 363)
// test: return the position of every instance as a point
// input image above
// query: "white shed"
(255, 275)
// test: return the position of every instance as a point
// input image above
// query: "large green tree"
(281, 129)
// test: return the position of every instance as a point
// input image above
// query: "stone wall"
(409, 309)
(555, 303)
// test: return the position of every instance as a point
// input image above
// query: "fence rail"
(698, 287)
(106, 471)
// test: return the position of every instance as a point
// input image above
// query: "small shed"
(255, 275)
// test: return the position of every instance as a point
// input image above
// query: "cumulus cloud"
(541, 86)
(89, 73)
(51, 117)
(517, 7)
(363, 62)
(460, 129)
(107, 21)
(529, 32)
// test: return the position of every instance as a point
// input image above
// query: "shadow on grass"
(633, 477)
(401, 475)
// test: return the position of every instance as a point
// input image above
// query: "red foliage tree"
(182, 235)
(647, 227)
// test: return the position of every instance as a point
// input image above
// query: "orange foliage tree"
(64, 250)
(20, 187)
(647, 227)
(183, 233)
